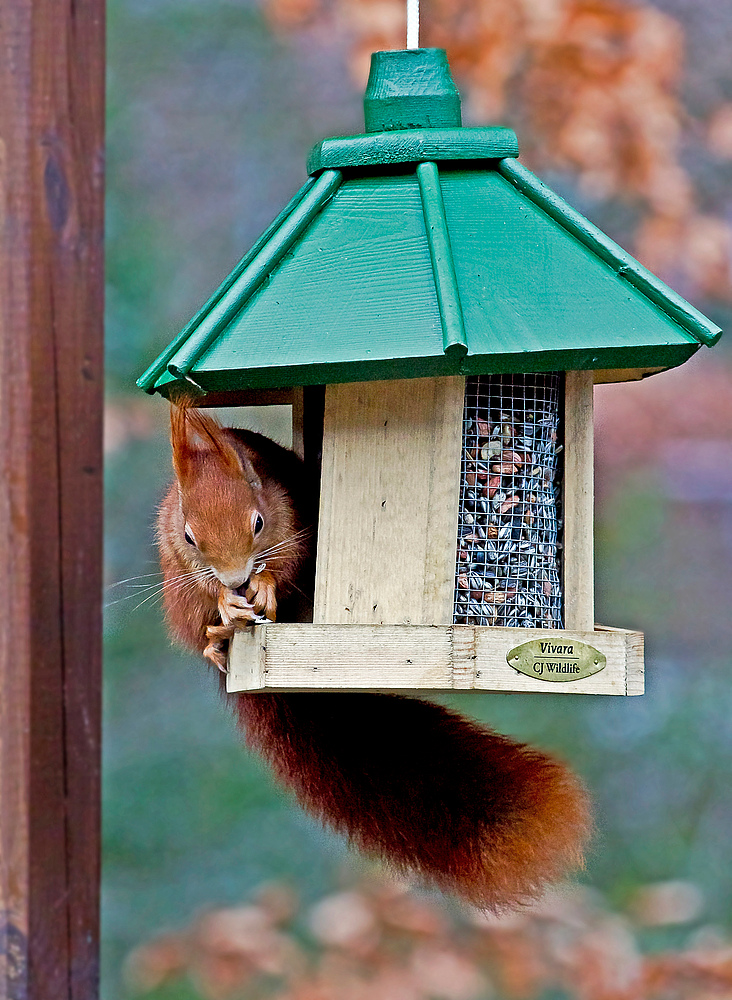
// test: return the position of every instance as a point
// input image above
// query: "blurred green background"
(211, 114)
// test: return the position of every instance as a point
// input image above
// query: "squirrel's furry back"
(429, 791)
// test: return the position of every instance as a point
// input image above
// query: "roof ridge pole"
(252, 276)
(148, 379)
(443, 267)
(694, 323)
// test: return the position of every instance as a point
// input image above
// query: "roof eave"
(639, 360)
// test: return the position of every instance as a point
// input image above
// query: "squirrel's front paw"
(262, 593)
(217, 649)
(235, 609)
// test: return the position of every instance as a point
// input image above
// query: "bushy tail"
(474, 812)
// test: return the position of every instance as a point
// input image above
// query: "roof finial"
(411, 88)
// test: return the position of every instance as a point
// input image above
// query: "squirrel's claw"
(217, 649)
(235, 610)
(262, 593)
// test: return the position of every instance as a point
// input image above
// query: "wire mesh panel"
(509, 524)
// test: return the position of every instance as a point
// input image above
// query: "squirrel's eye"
(188, 535)
(258, 522)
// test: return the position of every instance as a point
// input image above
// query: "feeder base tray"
(294, 657)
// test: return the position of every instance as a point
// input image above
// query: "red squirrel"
(469, 810)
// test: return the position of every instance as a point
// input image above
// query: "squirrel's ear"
(190, 428)
(180, 440)
(249, 473)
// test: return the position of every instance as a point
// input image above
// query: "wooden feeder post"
(421, 283)
(51, 297)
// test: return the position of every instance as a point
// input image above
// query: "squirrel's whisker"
(138, 592)
(171, 585)
(159, 583)
(184, 587)
(298, 536)
(288, 543)
(131, 578)
(277, 552)
(308, 597)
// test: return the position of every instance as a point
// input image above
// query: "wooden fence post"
(51, 298)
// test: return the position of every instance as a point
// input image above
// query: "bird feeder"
(437, 318)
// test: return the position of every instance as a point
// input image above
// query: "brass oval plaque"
(557, 660)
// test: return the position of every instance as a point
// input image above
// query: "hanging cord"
(412, 24)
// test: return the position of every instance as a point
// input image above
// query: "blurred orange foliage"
(594, 85)
(638, 424)
(381, 941)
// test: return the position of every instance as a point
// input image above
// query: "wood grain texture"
(579, 458)
(298, 421)
(413, 146)
(225, 307)
(601, 376)
(635, 681)
(438, 240)
(51, 309)
(621, 265)
(410, 88)
(387, 534)
(251, 659)
(418, 658)
(355, 296)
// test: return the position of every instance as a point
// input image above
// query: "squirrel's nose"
(234, 581)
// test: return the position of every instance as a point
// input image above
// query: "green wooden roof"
(417, 250)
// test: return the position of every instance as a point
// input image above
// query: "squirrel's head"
(229, 517)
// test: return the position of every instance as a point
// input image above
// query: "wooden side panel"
(284, 657)
(51, 354)
(579, 564)
(387, 535)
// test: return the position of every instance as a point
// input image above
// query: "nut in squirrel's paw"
(235, 609)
